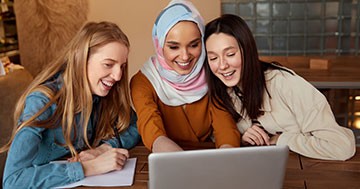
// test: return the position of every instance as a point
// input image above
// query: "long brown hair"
(74, 96)
(252, 84)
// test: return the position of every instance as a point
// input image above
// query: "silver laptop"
(246, 168)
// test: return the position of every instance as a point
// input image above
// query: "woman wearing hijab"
(170, 91)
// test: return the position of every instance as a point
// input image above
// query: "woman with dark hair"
(270, 103)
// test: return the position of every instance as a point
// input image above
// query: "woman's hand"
(255, 135)
(91, 153)
(274, 139)
(113, 159)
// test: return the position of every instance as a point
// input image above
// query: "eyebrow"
(109, 59)
(226, 49)
(176, 43)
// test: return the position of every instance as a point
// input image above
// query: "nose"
(116, 73)
(184, 54)
(223, 64)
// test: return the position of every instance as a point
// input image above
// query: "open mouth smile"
(182, 64)
(228, 74)
(107, 83)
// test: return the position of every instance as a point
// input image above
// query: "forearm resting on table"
(164, 144)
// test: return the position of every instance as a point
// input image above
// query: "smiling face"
(105, 67)
(224, 58)
(182, 47)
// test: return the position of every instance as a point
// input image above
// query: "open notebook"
(245, 167)
(124, 177)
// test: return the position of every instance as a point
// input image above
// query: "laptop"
(256, 167)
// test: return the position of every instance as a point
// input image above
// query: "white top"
(303, 115)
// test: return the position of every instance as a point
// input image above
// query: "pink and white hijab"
(172, 88)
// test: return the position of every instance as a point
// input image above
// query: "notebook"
(245, 168)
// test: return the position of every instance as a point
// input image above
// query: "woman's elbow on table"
(344, 150)
(348, 151)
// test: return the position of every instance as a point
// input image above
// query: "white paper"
(124, 177)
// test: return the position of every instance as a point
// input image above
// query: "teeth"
(227, 74)
(109, 84)
(183, 63)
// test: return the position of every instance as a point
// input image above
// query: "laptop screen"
(245, 167)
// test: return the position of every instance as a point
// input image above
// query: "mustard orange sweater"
(193, 122)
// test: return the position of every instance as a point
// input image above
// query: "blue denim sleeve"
(128, 138)
(33, 104)
(20, 170)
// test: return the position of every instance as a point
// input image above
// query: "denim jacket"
(28, 163)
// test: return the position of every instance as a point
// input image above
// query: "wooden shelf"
(9, 40)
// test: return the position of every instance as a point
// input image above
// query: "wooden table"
(302, 172)
(321, 174)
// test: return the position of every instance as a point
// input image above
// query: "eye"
(194, 45)
(108, 65)
(230, 54)
(173, 47)
(212, 58)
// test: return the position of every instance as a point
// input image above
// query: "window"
(301, 27)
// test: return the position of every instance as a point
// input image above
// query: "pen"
(117, 135)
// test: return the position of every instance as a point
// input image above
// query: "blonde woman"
(74, 109)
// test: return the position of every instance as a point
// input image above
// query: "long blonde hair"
(74, 96)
